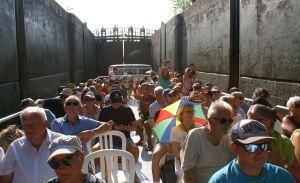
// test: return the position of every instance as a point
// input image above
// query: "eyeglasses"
(67, 161)
(71, 103)
(224, 120)
(63, 96)
(197, 101)
(252, 148)
(296, 105)
(190, 111)
(88, 100)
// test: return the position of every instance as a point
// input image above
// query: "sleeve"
(90, 123)
(190, 151)
(55, 126)
(174, 135)
(151, 110)
(102, 115)
(50, 101)
(50, 116)
(130, 114)
(8, 163)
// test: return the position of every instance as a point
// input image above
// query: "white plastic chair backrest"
(105, 140)
(107, 155)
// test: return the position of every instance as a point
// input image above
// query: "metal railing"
(9, 117)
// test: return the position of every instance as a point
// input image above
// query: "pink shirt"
(95, 113)
(187, 84)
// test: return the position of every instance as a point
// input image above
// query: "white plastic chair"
(105, 140)
(110, 158)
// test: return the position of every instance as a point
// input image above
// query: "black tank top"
(293, 120)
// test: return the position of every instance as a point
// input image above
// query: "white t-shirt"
(178, 135)
(236, 119)
(206, 158)
(112, 75)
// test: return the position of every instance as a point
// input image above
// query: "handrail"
(9, 117)
(250, 100)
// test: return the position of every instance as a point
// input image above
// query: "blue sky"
(122, 13)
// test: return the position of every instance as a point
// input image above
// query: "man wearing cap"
(66, 158)
(112, 74)
(146, 99)
(74, 124)
(55, 105)
(244, 105)
(26, 157)
(250, 142)
(216, 93)
(124, 121)
(161, 148)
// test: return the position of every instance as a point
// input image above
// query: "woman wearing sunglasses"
(185, 115)
(281, 150)
(206, 149)
(90, 109)
(292, 122)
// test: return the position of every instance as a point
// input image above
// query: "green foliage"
(180, 5)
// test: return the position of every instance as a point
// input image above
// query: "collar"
(66, 119)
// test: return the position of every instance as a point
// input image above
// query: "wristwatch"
(95, 131)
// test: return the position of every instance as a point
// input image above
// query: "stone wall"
(255, 42)
(41, 48)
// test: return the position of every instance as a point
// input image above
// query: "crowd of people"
(239, 142)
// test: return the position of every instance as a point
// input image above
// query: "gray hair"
(215, 106)
(227, 98)
(157, 89)
(33, 110)
(292, 101)
(73, 97)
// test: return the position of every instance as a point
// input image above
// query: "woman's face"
(165, 71)
(188, 114)
(89, 101)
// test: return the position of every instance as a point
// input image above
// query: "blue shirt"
(50, 117)
(233, 174)
(83, 123)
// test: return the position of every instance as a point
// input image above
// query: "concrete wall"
(137, 52)
(263, 35)
(41, 48)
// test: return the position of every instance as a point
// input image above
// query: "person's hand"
(275, 158)
(111, 123)
(84, 141)
(119, 127)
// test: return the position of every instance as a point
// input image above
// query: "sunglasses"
(72, 103)
(63, 96)
(296, 105)
(224, 120)
(67, 161)
(172, 95)
(88, 100)
(252, 148)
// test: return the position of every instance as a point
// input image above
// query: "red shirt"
(105, 90)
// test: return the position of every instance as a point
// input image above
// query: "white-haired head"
(292, 101)
(33, 110)
(216, 106)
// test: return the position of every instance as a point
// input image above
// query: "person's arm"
(172, 68)
(104, 127)
(160, 70)
(296, 142)
(39, 102)
(294, 170)
(187, 73)
(7, 178)
(189, 176)
(130, 128)
(176, 149)
(287, 126)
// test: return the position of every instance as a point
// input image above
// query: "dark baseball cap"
(233, 89)
(247, 131)
(167, 92)
(116, 97)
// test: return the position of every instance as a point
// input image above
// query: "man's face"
(252, 161)
(215, 121)
(158, 95)
(239, 100)
(34, 127)
(70, 173)
(115, 70)
(216, 94)
(170, 98)
(115, 105)
(74, 91)
(72, 107)
(145, 90)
